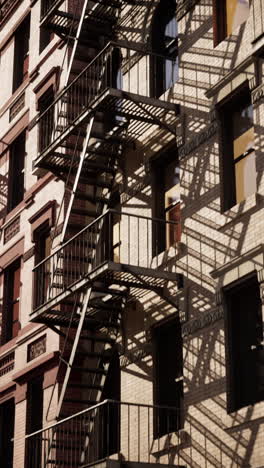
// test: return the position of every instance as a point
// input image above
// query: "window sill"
(234, 214)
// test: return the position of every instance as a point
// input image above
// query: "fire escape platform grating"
(110, 273)
(132, 107)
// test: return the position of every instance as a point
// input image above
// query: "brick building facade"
(132, 245)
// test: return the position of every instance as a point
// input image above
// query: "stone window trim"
(41, 365)
(16, 129)
(12, 254)
(28, 199)
(232, 269)
(46, 214)
(8, 139)
(13, 29)
(248, 70)
(50, 80)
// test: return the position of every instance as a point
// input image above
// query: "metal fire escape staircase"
(83, 286)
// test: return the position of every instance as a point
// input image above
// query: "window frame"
(34, 418)
(46, 125)
(162, 53)
(232, 338)
(7, 412)
(226, 110)
(220, 21)
(161, 234)
(21, 53)
(16, 171)
(162, 423)
(11, 301)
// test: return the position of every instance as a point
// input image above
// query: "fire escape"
(106, 258)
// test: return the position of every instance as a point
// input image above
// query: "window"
(168, 377)
(45, 34)
(7, 420)
(45, 37)
(47, 122)
(43, 243)
(21, 53)
(164, 45)
(34, 419)
(109, 442)
(16, 172)
(244, 336)
(239, 165)
(10, 325)
(228, 15)
(166, 200)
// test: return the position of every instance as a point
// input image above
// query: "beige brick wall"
(210, 240)
(210, 254)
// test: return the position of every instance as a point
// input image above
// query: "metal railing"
(118, 237)
(109, 428)
(118, 67)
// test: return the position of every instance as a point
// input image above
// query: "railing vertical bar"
(148, 435)
(138, 435)
(128, 240)
(119, 239)
(128, 431)
(148, 263)
(138, 239)
(107, 429)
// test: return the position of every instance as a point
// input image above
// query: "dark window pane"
(21, 53)
(10, 324)
(244, 330)
(16, 172)
(7, 420)
(168, 382)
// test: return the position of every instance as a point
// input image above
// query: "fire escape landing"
(106, 257)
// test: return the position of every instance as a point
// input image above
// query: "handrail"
(110, 43)
(98, 405)
(95, 221)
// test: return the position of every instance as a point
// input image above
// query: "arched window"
(164, 45)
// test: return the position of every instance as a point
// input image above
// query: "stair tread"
(81, 402)
(84, 212)
(91, 354)
(99, 338)
(91, 198)
(85, 386)
(92, 370)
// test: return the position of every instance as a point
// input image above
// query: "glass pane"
(242, 118)
(243, 143)
(171, 30)
(171, 72)
(237, 12)
(245, 171)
